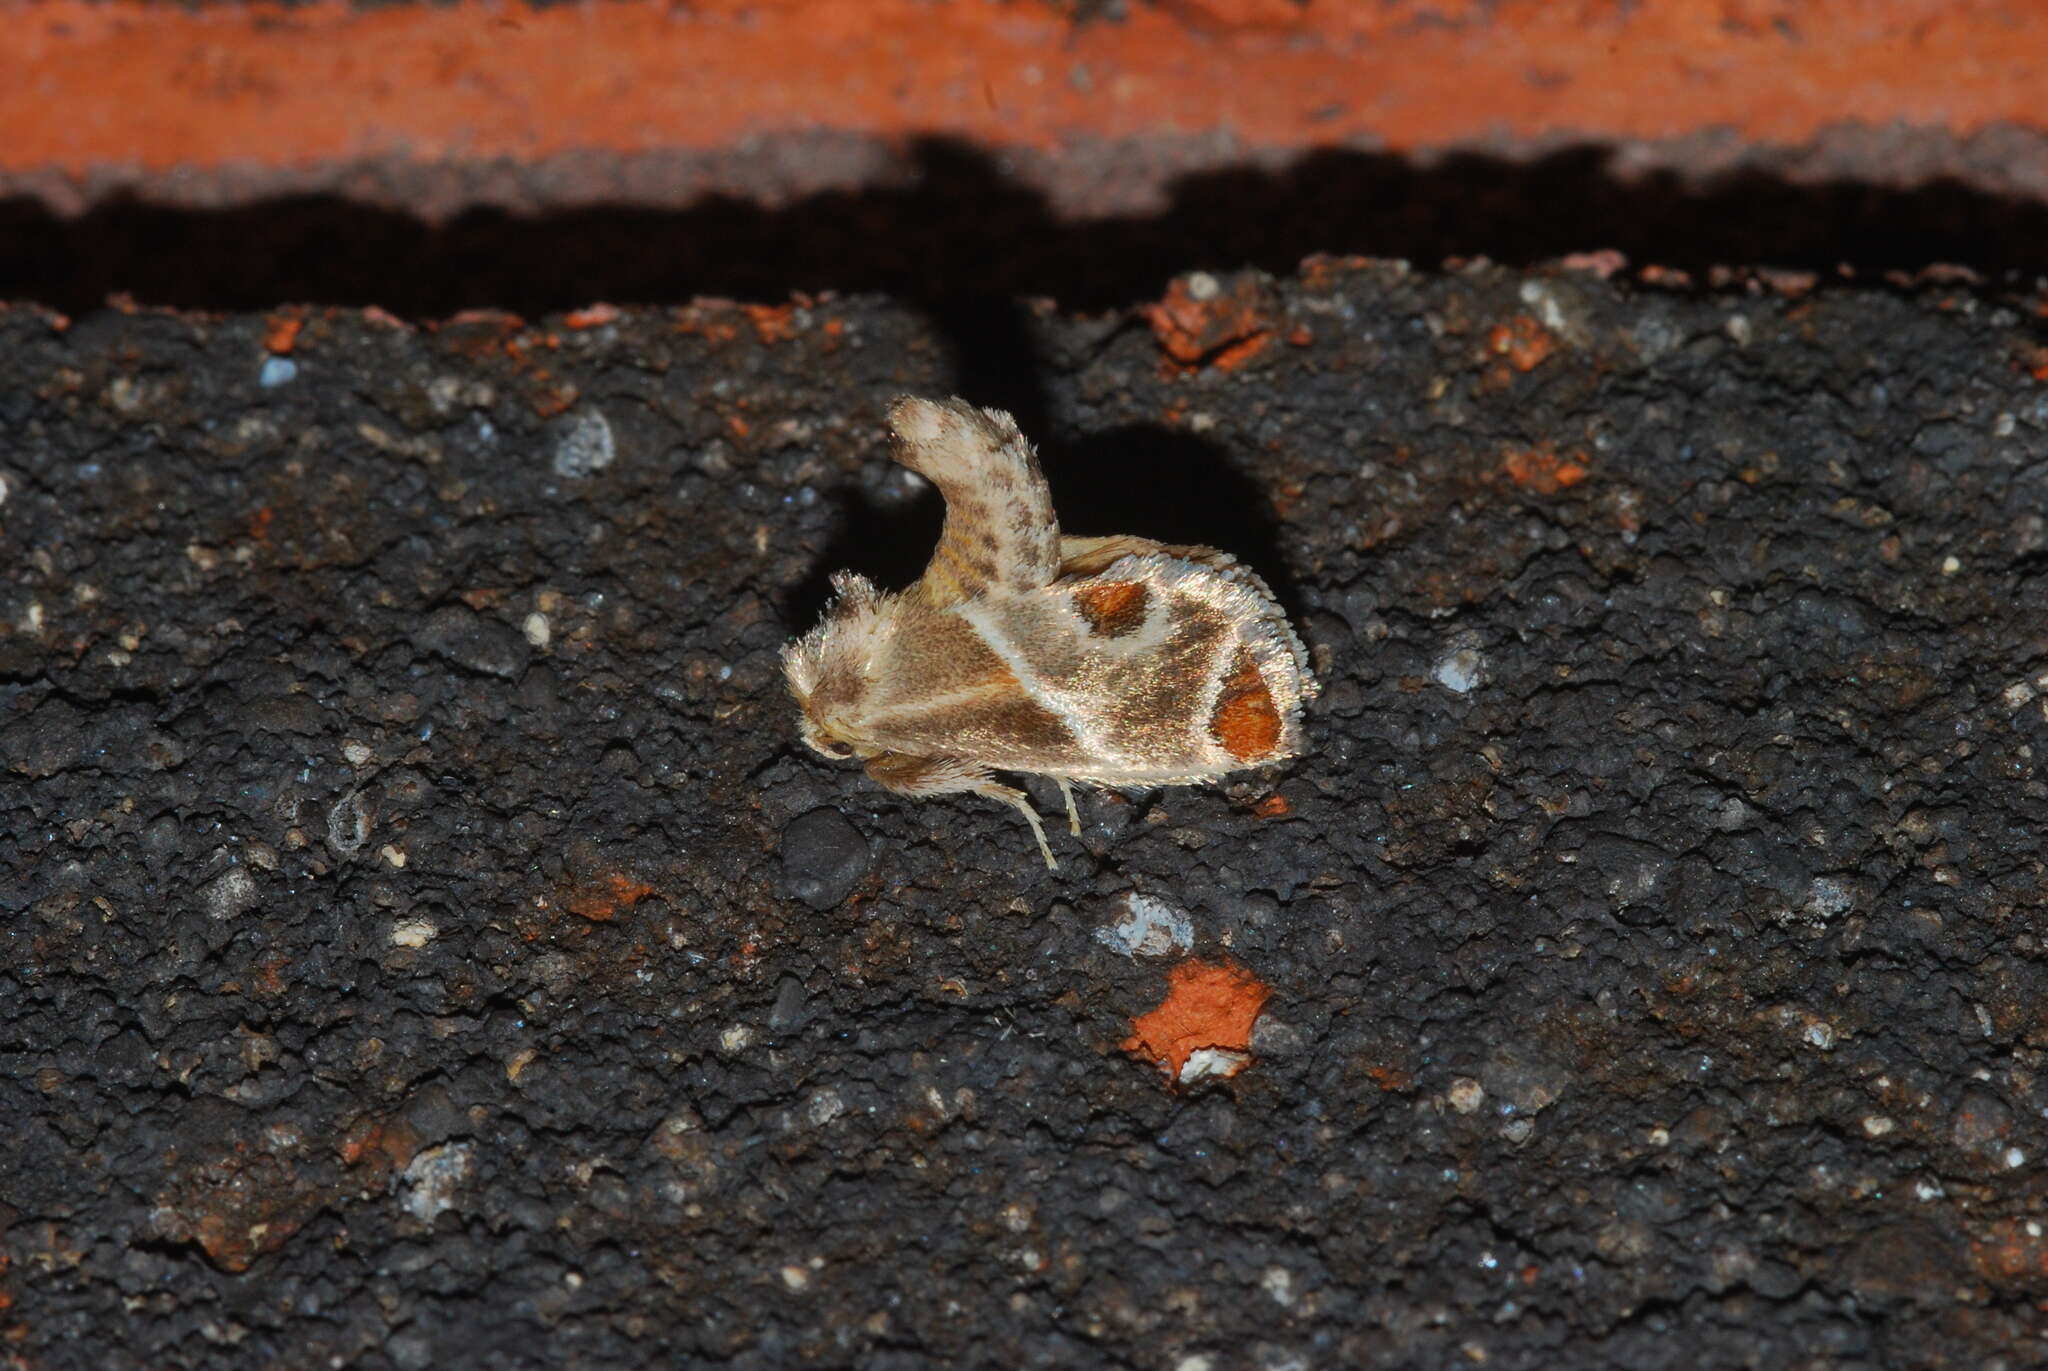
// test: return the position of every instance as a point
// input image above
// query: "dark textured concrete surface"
(426, 944)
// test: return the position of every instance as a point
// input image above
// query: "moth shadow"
(1144, 480)
(1171, 487)
(887, 542)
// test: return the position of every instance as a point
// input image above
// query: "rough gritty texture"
(426, 943)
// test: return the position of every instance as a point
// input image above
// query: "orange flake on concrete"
(283, 333)
(1391, 1079)
(385, 1144)
(1323, 270)
(709, 319)
(601, 901)
(1541, 471)
(1602, 262)
(1203, 324)
(1274, 807)
(1525, 343)
(2012, 1251)
(1209, 1006)
(551, 397)
(591, 316)
(773, 323)
(479, 333)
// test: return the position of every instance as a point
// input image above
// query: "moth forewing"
(1111, 661)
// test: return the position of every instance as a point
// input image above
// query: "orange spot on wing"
(1207, 1005)
(1246, 721)
(1113, 610)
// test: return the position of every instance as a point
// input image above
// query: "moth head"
(827, 669)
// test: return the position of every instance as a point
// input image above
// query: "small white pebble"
(1821, 1035)
(536, 629)
(736, 1038)
(796, 1278)
(231, 893)
(583, 444)
(1950, 565)
(1465, 1095)
(1204, 1062)
(356, 753)
(395, 856)
(1877, 1125)
(1203, 286)
(1660, 1137)
(1459, 671)
(2014, 1159)
(413, 933)
(1278, 1282)
(276, 371)
(1149, 928)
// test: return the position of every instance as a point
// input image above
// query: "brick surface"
(442, 106)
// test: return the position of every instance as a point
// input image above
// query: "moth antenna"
(1000, 534)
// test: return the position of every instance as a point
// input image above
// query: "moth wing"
(1000, 534)
(943, 686)
(1163, 668)
(1089, 556)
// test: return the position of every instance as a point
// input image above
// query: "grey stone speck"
(823, 857)
(583, 444)
(469, 640)
(790, 1000)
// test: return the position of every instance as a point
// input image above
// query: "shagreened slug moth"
(1109, 661)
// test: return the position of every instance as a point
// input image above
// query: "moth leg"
(921, 776)
(1017, 797)
(1073, 815)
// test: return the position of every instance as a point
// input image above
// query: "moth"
(1116, 662)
